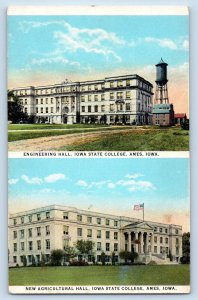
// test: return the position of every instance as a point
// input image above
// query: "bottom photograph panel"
(79, 226)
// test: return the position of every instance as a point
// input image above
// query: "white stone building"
(39, 231)
(121, 99)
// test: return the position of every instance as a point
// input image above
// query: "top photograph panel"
(98, 81)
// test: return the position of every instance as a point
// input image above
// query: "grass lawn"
(171, 139)
(101, 275)
(51, 126)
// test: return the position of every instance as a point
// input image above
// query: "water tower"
(161, 94)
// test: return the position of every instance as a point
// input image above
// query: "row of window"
(30, 232)
(98, 220)
(161, 240)
(30, 246)
(112, 108)
(98, 234)
(29, 218)
(164, 230)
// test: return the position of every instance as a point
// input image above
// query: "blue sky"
(108, 185)
(77, 43)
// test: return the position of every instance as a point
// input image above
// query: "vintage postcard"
(98, 129)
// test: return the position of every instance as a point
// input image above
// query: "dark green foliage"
(84, 247)
(15, 109)
(103, 258)
(56, 257)
(185, 259)
(33, 261)
(24, 261)
(126, 255)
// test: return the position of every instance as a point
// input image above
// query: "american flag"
(139, 206)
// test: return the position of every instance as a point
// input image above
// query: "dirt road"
(57, 142)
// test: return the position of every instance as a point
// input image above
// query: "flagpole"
(143, 212)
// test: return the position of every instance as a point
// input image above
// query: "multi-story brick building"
(121, 99)
(39, 231)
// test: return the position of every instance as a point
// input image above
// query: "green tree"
(42, 260)
(56, 257)
(103, 258)
(126, 255)
(15, 109)
(24, 260)
(113, 258)
(70, 252)
(85, 247)
(185, 259)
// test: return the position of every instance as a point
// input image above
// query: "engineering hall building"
(122, 99)
(39, 231)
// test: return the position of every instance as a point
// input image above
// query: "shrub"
(76, 263)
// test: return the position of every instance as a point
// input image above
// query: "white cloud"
(111, 185)
(47, 191)
(180, 44)
(82, 183)
(134, 176)
(134, 185)
(33, 180)
(54, 177)
(12, 181)
(51, 60)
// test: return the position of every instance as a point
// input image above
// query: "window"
(98, 246)
(52, 109)
(115, 247)
(177, 241)
(96, 108)
(38, 230)
(107, 222)
(30, 245)
(47, 244)
(65, 215)
(22, 233)
(161, 239)
(15, 259)
(89, 233)
(166, 230)
(119, 95)
(29, 258)
(161, 249)
(65, 244)
(155, 249)
(115, 223)
(46, 100)
(103, 108)
(111, 96)
(25, 110)
(98, 220)
(89, 108)
(107, 234)
(166, 240)
(65, 230)
(120, 83)
(14, 234)
(155, 239)
(47, 215)
(82, 98)
(89, 97)
(111, 84)
(96, 87)
(41, 101)
(79, 231)
(79, 218)
(102, 97)
(128, 106)
(30, 218)
(25, 101)
(52, 100)
(46, 110)
(14, 221)
(22, 220)
(115, 235)
(89, 87)
(89, 219)
(15, 247)
(38, 245)
(160, 229)
(37, 110)
(95, 97)
(47, 230)
(128, 82)
(176, 231)
(83, 108)
(22, 246)
(98, 234)
(29, 232)
(103, 85)
(107, 246)
(38, 217)
(47, 258)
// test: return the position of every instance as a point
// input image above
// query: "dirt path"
(56, 142)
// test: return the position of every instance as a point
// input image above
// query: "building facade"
(113, 100)
(39, 231)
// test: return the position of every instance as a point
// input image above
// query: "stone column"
(146, 243)
(142, 242)
(152, 243)
(129, 241)
(136, 245)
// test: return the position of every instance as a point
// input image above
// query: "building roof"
(181, 115)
